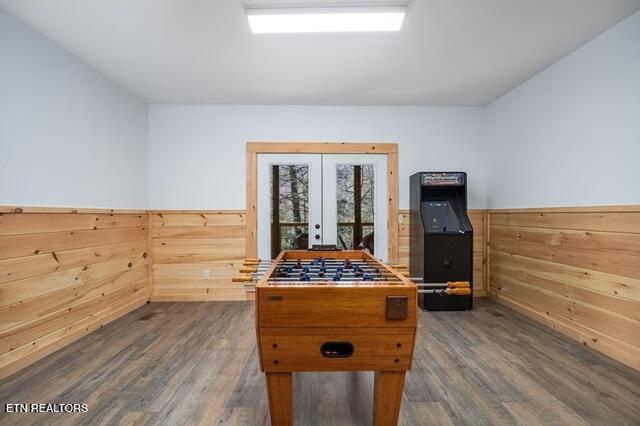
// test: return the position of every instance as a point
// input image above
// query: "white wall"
(68, 136)
(571, 135)
(197, 152)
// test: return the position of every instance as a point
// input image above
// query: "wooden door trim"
(321, 148)
(389, 149)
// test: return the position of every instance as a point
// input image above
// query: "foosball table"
(333, 311)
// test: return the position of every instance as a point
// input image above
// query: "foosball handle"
(242, 279)
(400, 266)
(459, 291)
(458, 284)
(248, 270)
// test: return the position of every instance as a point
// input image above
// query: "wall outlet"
(205, 274)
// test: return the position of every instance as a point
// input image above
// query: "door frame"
(255, 148)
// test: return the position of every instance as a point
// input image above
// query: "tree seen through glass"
(355, 206)
(290, 207)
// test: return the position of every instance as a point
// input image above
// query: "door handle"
(317, 236)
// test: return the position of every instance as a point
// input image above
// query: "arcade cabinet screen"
(439, 216)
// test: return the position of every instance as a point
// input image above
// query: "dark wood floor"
(185, 363)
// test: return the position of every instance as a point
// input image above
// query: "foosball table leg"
(387, 396)
(279, 390)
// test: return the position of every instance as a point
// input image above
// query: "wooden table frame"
(388, 345)
(388, 149)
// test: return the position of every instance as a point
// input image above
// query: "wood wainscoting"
(576, 270)
(64, 273)
(478, 221)
(186, 244)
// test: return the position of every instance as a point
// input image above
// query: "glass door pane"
(354, 207)
(355, 187)
(289, 210)
(289, 207)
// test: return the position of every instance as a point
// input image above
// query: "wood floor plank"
(26, 355)
(196, 363)
(31, 331)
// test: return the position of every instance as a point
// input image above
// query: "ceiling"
(449, 52)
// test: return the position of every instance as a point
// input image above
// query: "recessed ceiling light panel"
(272, 20)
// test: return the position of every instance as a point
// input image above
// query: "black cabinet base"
(444, 302)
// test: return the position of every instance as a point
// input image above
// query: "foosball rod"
(330, 265)
(449, 291)
(309, 260)
(258, 267)
(316, 268)
(249, 269)
(457, 288)
(325, 259)
(451, 284)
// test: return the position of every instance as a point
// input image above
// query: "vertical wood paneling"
(477, 218)
(186, 244)
(252, 203)
(576, 270)
(63, 273)
(392, 206)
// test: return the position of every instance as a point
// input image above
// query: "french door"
(331, 199)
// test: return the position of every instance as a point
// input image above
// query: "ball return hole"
(336, 349)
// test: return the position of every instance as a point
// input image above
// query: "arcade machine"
(441, 239)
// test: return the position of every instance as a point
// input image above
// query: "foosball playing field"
(320, 269)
